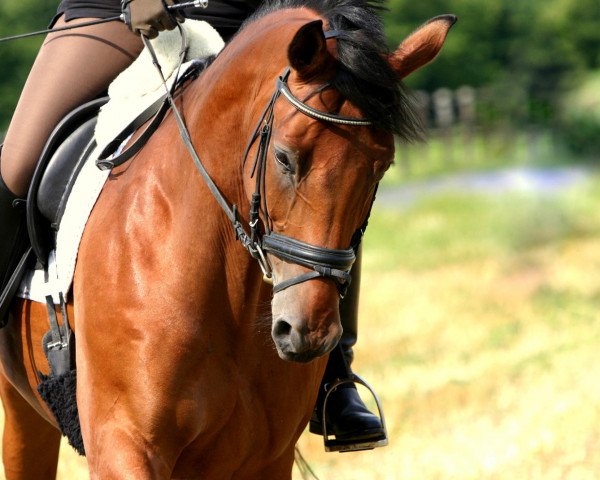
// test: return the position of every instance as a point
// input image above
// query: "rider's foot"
(348, 418)
(350, 425)
(348, 421)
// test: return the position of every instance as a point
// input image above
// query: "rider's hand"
(148, 17)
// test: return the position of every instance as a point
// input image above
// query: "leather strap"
(157, 110)
(295, 280)
(341, 278)
(7, 296)
(314, 113)
(308, 255)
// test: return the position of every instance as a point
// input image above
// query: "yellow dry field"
(481, 333)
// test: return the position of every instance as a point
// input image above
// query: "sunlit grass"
(480, 331)
(462, 227)
(480, 327)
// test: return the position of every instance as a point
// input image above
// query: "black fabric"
(12, 214)
(60, 394)
(72, 9)
(27, 261)
(226, 16)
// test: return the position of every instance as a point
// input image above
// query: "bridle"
(324, 262)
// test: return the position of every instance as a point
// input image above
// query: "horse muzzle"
(296, 346)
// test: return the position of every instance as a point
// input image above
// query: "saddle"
(67, 149)
(62, 157)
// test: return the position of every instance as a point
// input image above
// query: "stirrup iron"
(352, 445)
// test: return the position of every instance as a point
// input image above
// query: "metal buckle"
(264, 265)
(334, 445)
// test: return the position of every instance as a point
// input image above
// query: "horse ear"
(421, 46)
(308, 53)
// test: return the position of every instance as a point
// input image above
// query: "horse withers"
(181, 370)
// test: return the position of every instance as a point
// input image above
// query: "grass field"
(480, 331)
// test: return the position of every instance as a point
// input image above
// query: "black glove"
(148, 17)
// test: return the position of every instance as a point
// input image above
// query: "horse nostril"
(281, 328)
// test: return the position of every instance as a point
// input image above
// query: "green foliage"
(462, 150)
(580, 119)
(448, 229)
(16, 57)
(529, 47)
(473, 52)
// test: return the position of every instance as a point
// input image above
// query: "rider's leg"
(71, 68)
(13, 240)
(347, 416)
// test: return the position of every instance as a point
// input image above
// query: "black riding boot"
(348, 419)
(14, 243)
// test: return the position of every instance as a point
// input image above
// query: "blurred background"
(480, 306)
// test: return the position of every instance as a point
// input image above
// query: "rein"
(324, 262)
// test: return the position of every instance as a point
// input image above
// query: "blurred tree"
(17, 57)
(525, 49)
(581, 24)
(474, 52)
(531, 47)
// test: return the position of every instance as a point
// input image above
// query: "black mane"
(364, 77)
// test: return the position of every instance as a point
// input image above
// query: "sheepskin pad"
(130, 93)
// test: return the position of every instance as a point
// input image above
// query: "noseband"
(323, 262)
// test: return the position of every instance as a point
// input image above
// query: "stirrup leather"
(352, 445)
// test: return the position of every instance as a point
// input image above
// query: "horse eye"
(282, 159)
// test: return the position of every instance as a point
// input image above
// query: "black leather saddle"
(69, 145)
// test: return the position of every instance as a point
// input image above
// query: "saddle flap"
(61, 171)
(55, 173)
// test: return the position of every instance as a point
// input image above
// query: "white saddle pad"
(130, 93)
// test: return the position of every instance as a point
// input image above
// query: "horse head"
(319, 154)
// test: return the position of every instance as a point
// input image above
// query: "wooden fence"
(475, 128)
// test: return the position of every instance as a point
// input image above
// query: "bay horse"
(178, 376)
